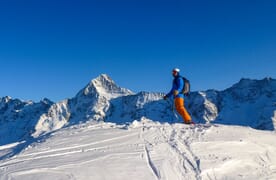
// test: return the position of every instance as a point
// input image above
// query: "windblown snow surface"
(145, 150)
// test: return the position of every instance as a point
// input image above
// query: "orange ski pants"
(179, 105)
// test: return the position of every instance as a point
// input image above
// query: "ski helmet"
(176, 70)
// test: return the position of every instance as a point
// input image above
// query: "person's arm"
(174, 87)
(171, 91)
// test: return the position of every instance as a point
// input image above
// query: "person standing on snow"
(176, 91)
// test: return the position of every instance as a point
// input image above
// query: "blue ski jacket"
(178, 85)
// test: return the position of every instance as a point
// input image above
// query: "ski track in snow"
(175, 144)
(139, 151)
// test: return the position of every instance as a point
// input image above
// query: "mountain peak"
(104, 85)
(5, 99)
(252, 83)
(268, 79)
(103, 81)
(104, 77)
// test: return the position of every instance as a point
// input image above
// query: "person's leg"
(179, 105)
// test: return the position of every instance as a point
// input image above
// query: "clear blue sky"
(51, 48)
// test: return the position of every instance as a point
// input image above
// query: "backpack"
(187, 87)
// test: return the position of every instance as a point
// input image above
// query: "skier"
(176, 91)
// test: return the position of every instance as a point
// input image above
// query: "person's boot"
(190, 122)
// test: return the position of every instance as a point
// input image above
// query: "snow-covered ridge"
(18, 118)
(90, 103)
(247, 103)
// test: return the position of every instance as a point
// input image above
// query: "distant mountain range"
(247, 103)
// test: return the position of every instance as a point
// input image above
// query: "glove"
(175, 92)
(165, 97)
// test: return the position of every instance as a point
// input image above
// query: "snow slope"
(145, 150)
